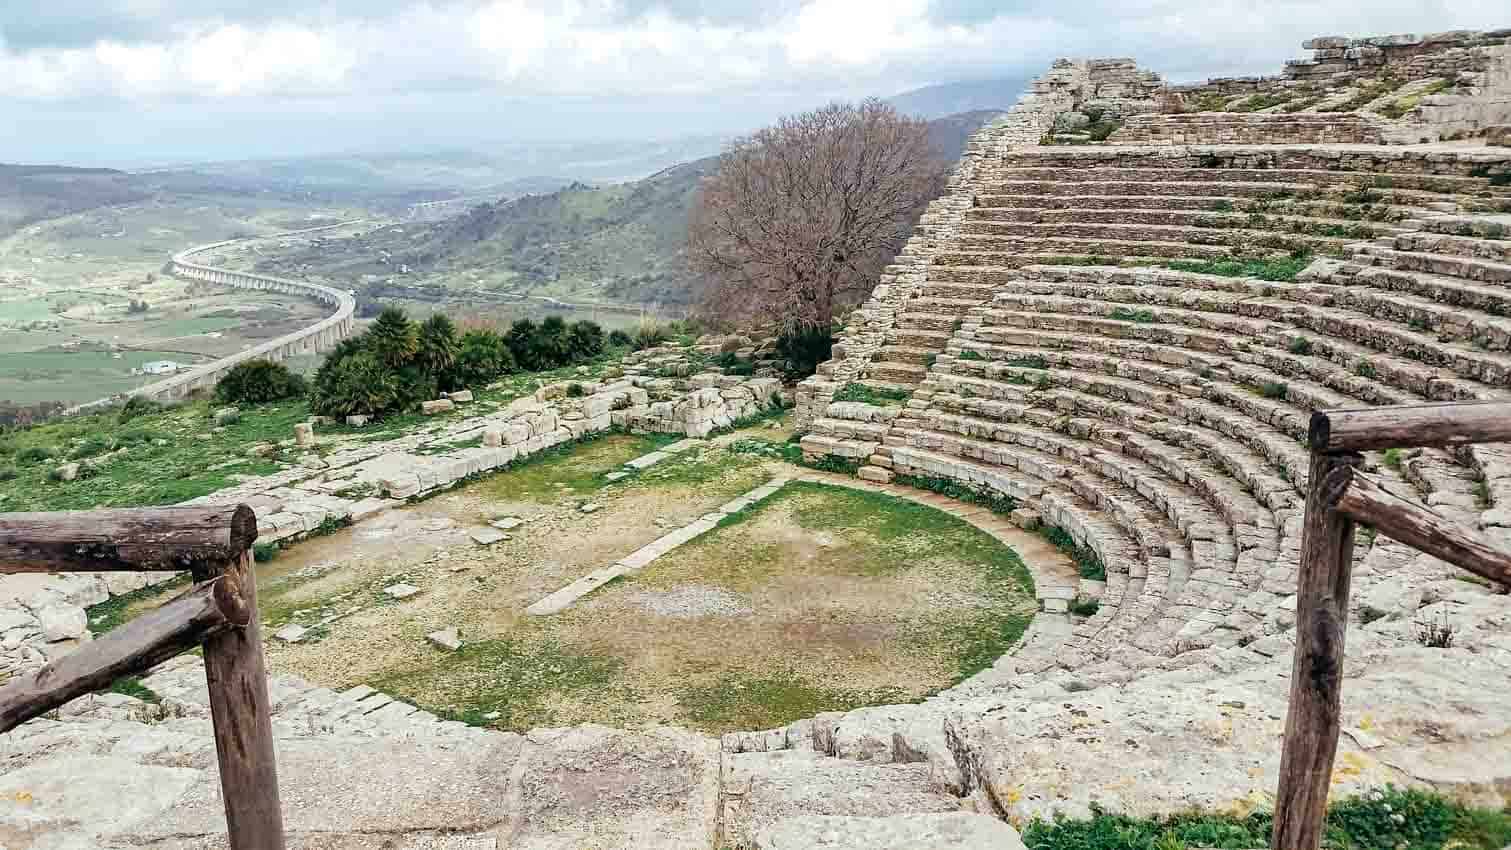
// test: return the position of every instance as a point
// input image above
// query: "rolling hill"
(621, 243)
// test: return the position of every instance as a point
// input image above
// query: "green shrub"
(970, 354)
(980, 494)
(1031, 361)
(1300, 345)
(8, 473)
(1085, 607)
(866, 394)
(36, 454)
(358, 384)
(1088, 563)
(1128, 315)
(804, 347)
(91, 447)
(649, 335)
(575, 390)
(620, 339)
(482, 357)
(1394, 458)
(136, 406)
(1273, 389)
(1364, 369)
(437, 350)
(264, 552)
(258, 382)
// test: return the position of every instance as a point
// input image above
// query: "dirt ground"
(819, 598)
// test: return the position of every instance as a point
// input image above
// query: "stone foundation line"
(638, 560)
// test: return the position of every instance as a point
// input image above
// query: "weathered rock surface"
(901, 832)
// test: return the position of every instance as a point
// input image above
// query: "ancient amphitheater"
(1127, 338)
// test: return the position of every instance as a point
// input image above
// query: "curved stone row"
(1159, 416)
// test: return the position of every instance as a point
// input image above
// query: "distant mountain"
(624, 242)
(948, 99)
(31, 193)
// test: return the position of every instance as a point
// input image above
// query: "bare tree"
(802, 216)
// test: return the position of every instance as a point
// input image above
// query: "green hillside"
(622, 243)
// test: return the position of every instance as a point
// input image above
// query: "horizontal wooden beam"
(1363, 499)
(203, 611)
(130, 540)
(1410, 426)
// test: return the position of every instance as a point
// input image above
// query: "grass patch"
(970, 354)
(568, 468)
(131, 686)
(786, 451)
(1300, 346)
(1085, 607)
(834, 463)
(1273, 390)
(867, 394)
(743, 702)
(1088, 562)
(1032, 361)
(1282, 270)
(1395, 458)
(1386, 819)
(975, 494)
(1125, 314)
(508, 675)
(119, 610)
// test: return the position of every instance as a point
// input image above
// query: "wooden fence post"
(1312, 724)
(243, 723)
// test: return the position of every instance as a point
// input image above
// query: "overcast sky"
(132, 81)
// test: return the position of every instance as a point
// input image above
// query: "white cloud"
(604, 47)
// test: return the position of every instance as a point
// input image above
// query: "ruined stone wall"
(1115, 85)
(1236, 128)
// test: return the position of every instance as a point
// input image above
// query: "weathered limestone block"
(357, 420)
(493, 438)
(953, 831)
(304, 435)
(62, 621)
(460, 396)
(226, 416)
(442, 405)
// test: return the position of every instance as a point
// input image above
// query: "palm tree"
(437, 349)
(393, 338)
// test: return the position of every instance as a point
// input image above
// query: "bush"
(258, 382)
(650, 335)
(620, 339)
(436, 352)
(482, 356)
(8, 473)
(91, 447)
(804, 347)
(137, 406)
(35, 454)
(357, 384)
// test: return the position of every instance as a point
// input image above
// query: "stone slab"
(963, 831)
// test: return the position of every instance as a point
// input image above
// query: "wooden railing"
(1339, 496)
(219, 612)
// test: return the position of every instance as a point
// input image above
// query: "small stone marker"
(487, 536)
(356, 420)
(460, 396)
(442, 405)
(591, 507)
(401, 591)
(304, 435)
(508, 523)
(227, 416)
(292, 633)
(447, 639)
(66, 472)
(493, 438)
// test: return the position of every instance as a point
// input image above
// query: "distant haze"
(150, 82)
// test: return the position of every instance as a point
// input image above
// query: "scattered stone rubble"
(1157, 417)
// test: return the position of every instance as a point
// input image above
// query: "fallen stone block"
(508, 523)
(487, 536)
(292, 633)
(356, 420)
(949, 831)
(447, 639)
(400, 591)
(442, 405)
(460, 396)
(304, 435)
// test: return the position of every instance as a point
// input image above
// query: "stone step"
(761, 790)
(987, 235)
(910, 354)
(1303, 224)
(1009, 252)
(1421, 182)
(987, 204)
(1219, 188)
(1467, 268)
(1362, 161)
(1494, 250)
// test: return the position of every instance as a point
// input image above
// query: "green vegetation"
(1257, 102)
(1031, 361)
(1299, 345)
(787, 451)
(1394, 458)
(1367, 95)
(1364, 369)
(258, 382)
(1210, 102)
(1389, 819)
(970, 354)
(804, 347)
(1400, 106)
(120, 609)
(735, 701)
(1125, 314)
(1085, 607)
(867, 394)
(1270, 269)
(574, 468)
(978, 494)
(511, 675)
(1274, 390)
(835, 464)
(132, 687)
(1088, 562)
